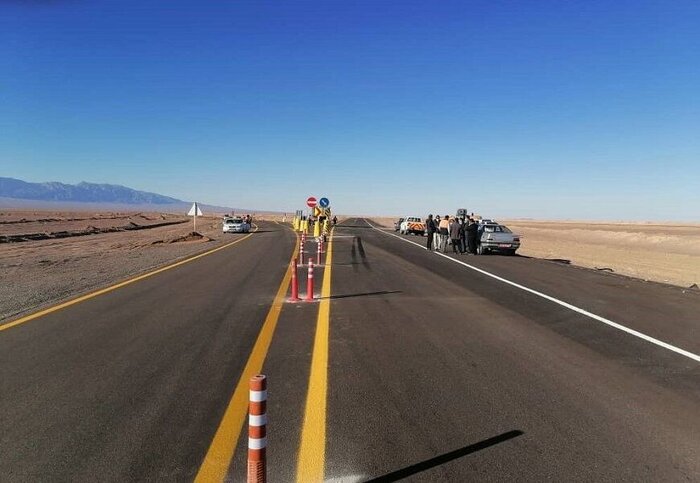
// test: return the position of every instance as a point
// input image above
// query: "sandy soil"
(667, 253)
(37, 273)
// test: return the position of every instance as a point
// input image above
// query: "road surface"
(412, 365)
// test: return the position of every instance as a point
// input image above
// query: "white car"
(412, 224)
(236, 225)
(497, 238)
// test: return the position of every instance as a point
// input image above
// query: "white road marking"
(579, 310)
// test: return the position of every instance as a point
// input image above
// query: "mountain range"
(82, 192)
(53, 193)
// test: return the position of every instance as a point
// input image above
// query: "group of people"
(463, 233)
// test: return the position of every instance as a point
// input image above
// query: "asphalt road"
(430, 370)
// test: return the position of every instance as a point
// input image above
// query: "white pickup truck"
(412, 224)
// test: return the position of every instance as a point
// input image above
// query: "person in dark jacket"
(472, 235)
(465, 223)
(430, 229)
(456, 235)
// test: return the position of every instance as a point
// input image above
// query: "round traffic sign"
(311, 202)
(324, 202)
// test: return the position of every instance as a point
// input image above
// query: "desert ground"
(659, 252)
(46, 257)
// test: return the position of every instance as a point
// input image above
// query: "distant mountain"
(82, 193)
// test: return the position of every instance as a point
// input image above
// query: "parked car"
(412, 224)
(497, 238)
(397, 224)
(487, 221)
(236, 225)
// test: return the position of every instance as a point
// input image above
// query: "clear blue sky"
(553, 109)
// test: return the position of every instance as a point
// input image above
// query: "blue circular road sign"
(324, 202)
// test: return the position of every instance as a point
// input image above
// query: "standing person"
(335, 220)
(456, 235)
(444, 233)
(430, 229)
(472, 235)
(464, 224)
(436, 235)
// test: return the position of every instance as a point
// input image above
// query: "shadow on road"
(446, 458)
(357, 242)
(366, 294)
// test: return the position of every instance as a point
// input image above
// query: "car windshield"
(234, 220)
(413, 218)
(493, 229)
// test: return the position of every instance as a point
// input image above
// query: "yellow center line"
(218, 458)
(105, 290)
(312, 450)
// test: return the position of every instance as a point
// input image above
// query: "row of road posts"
(299, 261)
(257, 406)
(321, 229)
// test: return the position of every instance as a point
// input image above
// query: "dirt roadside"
(38, 273)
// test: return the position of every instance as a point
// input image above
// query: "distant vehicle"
(497, 238)
(487, 221)
(397, 224)
(236, 225)
(412, 224)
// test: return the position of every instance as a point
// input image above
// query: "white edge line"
(581, 311)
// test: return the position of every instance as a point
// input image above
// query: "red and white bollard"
(257, 430)
(318, 254)
(310, 282)
(301, 252)
(295, 282)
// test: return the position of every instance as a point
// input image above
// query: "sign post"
(194, 213)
